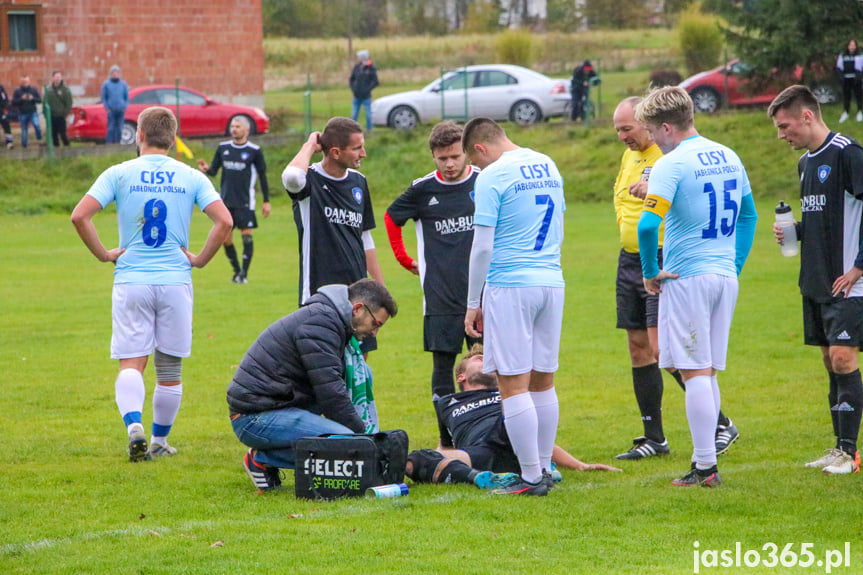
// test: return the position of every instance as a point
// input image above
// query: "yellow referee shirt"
(634, 166)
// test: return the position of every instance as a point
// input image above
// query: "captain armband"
(656, 205)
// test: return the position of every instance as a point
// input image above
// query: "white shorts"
(695, 320)
(146, 317)
(521, 329)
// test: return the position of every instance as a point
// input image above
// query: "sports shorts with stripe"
(636, 309)
(839, 322)
(695, 316)
(148, 317)
(522, 327)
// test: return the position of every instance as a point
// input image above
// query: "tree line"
(370, 18)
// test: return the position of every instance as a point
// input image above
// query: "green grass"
(70, 503)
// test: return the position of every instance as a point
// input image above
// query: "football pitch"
(71, 503)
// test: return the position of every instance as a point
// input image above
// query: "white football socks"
(701, 413)
(129, 392)
(522, 427)
(717, 399)
(547, 416)
(166, 404)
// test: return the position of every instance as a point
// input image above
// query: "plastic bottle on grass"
(785, 219)
(391, 490)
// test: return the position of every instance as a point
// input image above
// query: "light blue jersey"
(704, 182)
(521, 196)
(155, 197)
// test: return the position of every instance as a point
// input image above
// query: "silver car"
(497, 91)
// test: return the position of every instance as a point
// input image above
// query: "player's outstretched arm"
(82, 219)
(565, 460)
(222, 224)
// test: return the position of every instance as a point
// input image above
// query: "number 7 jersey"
(521, 196)
(698, 187)
(155, 198)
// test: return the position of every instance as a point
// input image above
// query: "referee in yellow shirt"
(637, 311)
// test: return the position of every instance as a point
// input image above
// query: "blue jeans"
(363, 103)
(26, 120)
(115, 126)
(273, 433)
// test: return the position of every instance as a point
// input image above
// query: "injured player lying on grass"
(474, 447)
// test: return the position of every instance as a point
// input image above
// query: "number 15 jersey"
(700, 184)
(155, 198)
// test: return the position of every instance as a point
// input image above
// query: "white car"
(497, 91)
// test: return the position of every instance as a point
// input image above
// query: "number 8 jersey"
(698, 188)
(155, 198)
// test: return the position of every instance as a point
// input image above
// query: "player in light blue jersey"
(518, 229)
(701, 190)
(152, 295)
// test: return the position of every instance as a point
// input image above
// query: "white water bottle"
(391, 490)
(785, 219)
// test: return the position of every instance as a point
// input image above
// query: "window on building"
(20, 28)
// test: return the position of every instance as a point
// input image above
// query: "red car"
(708, 89)
(199, 115)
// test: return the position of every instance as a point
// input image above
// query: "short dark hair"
(374, 295)
(337, 133)
(794, 99)
(444, 135)
(481, 130)
(158, 126)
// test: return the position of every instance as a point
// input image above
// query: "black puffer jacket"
(364, 79)
(299, 362)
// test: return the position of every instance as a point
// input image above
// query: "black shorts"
(244, 218)
(444, 333)
(495, 453)
(489, 457)
(636, 309)
(839, 322)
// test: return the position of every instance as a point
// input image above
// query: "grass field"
(70, 503)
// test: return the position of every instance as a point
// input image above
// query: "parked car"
(199, 115)
(497, 91)
(708, 89)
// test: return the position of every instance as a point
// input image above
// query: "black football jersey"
(470, 418)
(241, 166)
(443, 212)
(831, 197)
(331, 216)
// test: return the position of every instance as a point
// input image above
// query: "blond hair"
(668, 105)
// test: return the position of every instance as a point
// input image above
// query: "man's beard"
(486, 380)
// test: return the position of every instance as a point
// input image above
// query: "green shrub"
(481, 18)
(515, 47)
(700, 39)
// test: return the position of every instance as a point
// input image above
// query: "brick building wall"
(215, 46)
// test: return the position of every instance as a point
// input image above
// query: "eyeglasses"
(377, 322)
